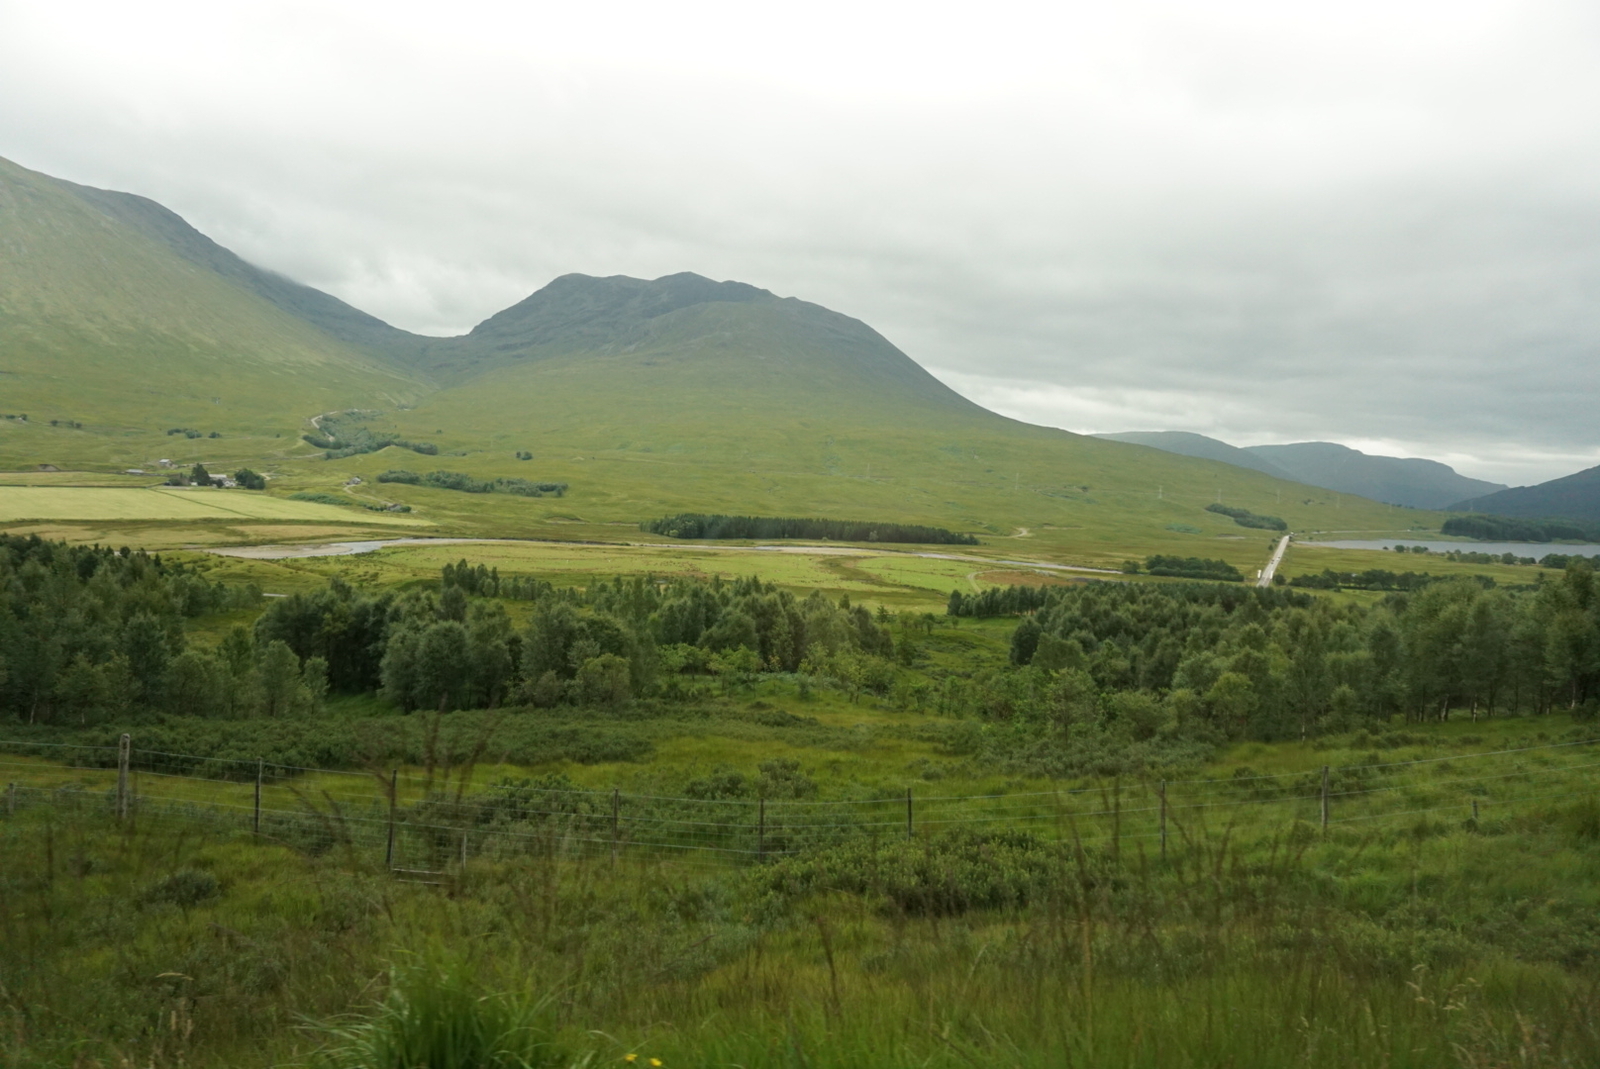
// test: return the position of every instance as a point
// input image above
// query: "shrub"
(185, 888)
(436, 1017)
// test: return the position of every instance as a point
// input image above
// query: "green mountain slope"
(1575, 497)
(1412, 481)
(646, 397)
(1408, 481)
(102, 325)
(1188, 444)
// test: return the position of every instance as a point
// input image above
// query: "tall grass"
(1411, 945)
(435, 1015)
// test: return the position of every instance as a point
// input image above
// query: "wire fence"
(424, 825)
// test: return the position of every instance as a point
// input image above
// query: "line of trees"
(1511, 529)
(455, 480)
(1246, 518)
(1376, 579)
(1217, 571)
(700, 525)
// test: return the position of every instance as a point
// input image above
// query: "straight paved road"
(1272, 565)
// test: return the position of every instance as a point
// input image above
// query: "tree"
(603, 680)
(82, 690)
(144, 643)
(195, 684)
(281, 691)
(249, 480)
(1073, 701)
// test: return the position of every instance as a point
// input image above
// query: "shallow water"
(1520, 549)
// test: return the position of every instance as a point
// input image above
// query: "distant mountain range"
(1575, 497)
(128, 337)
(1408, 481)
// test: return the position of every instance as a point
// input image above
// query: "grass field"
(23, 503)
(1256, 940)
(1313, 560)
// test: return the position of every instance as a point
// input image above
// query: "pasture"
(179, 504)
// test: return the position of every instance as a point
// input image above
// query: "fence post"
(463, 852)
(124, 753)
(761, 828)
(616, 821)
(1474, 810)
(1324, 797)
(394, 787)
(11, 800)
(260, 766)
(1163, 820)
(911, 828)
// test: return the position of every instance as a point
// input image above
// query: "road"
(1272, 565)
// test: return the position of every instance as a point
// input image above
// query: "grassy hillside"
(104, 327)
(122, 323)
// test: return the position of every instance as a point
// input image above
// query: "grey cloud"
(1376, 225)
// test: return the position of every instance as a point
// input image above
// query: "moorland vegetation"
(1038, 915)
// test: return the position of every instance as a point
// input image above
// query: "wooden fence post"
(260, 767)
(1324, 797)
(394, 788)
(616, 821)
(911, 828)
(124, 754)
(761, 827)
(1163, 820)
(11, 800)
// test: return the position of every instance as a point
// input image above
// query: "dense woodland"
(89, 635)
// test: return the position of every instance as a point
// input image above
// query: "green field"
(34, 503)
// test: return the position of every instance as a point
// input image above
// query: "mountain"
(1407, 481)
(1573, 497)
(102, 325)
(123, 323)
(1198, 445)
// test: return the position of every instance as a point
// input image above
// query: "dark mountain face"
(1575, 497)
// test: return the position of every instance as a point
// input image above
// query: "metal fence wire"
(423, 826)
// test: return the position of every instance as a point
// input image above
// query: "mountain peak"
(595, 306)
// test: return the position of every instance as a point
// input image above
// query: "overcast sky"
(1373, 223)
